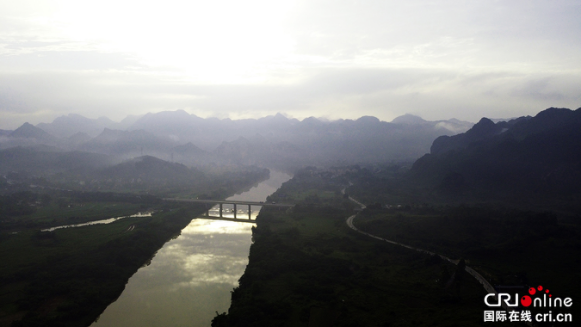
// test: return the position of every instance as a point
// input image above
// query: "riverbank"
(191, 276)
(67, 277)
(79, 271)
(308, 268)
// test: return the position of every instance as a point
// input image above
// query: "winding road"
(487, 286)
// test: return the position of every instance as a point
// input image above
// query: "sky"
(248, 59)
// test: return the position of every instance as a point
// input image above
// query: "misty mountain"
(170, 124)
(258, 150)
(71, 124)
(78, 139)
(66, 126)
(146, 174)
(190, 154)
(31, 132)
(128, 144)
(484, 129)
(538, 155)
(45, 160)
(409, 119)
(212, 133)
(151, 170)
(275, 141)
(189, 149)
(28, 135)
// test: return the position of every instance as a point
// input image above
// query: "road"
(487, 286)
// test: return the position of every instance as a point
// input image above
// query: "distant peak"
(280, 116)
(485, 122)
(368, 119)
(483, 128)
(28, 130)
(311, 120)
(408, 119)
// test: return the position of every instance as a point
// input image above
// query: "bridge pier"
(220, 210)
(234, 210)
(249, 212)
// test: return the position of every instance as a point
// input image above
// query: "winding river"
(190, 277)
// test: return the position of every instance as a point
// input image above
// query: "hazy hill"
(29, 131)
(128, 143)
(275, 141)
(5, 132)
(78, 139)
(409, 119)
(211, 133)
(538, 155)
(147, 173)
(189, 149)
(44, 160)
(66, 126)
(151, 169)
(190, 154)
(28, 135)
(317, 142)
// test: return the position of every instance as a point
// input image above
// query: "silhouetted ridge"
(485, 128)
(539, 155)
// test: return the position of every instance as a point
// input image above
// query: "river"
(190, 277)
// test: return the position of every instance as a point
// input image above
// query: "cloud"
(333, 93)
(338, 59)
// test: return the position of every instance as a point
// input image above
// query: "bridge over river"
(231, 202)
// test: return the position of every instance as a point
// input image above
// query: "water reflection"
(187, 280)
(97, 222)
(241, 211)
(191, 277)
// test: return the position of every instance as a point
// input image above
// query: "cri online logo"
(542, 299)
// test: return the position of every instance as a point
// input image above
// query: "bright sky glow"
(241, 59)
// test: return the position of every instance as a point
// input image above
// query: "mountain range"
(537, 155)
(524, 156)
(274, 141)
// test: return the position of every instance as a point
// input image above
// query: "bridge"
(232, 202)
